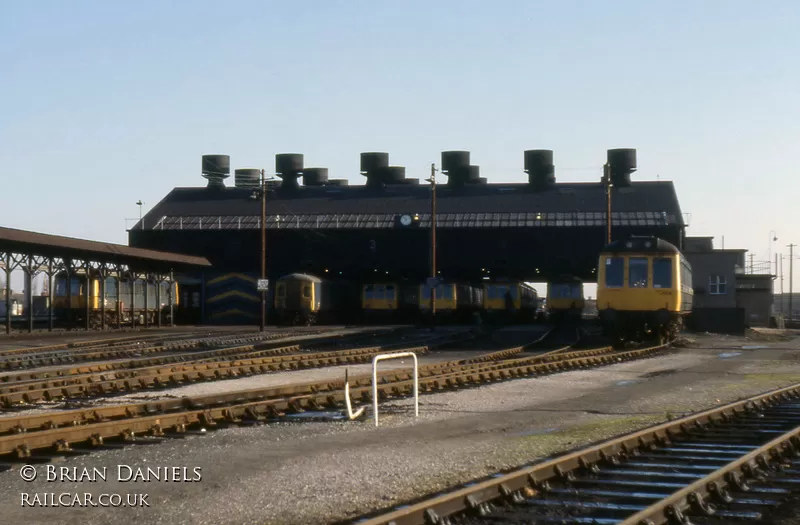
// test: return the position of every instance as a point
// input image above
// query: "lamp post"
(432, 180)
(139, 203)
(261, 193)
(607, 183)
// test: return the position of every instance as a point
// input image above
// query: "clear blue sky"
(104, 103)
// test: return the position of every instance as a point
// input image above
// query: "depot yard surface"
(326, 471)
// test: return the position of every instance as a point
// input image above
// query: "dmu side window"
(637, 272)
(390, 292)
(662, 272)
(281, 290)
(306, 291)
(615, 272)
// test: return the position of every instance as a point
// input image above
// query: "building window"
(662, 272)
(615, 272)
(717, 285)
(637, 272)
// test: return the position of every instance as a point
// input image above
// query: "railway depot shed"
(522, 231)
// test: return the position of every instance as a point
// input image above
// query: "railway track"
(113, 341)
(150, 377)
(57, 431)
(735, 462)
(50, 357)
(222, 350)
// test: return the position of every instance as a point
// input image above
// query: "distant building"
(727, 298)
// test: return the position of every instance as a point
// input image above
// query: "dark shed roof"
(641, 245)
(652, 196)
(43, 244)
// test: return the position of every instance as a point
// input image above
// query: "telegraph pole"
(782, 309)
(433, 244)
(263, 249)
(751, 262)
(791, 258)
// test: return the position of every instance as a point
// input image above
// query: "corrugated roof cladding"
(650, 196)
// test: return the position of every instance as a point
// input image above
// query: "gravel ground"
(292, 473)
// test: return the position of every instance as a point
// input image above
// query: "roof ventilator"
(289, 167)
(540, 169)
(622, 162)
(247, 178)
(456, 165)
(216, 168)
(315, 176)
(375, 166)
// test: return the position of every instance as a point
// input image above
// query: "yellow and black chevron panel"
(232, 298)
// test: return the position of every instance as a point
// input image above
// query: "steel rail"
(26, 423)
(268, 344)
(510, 486)
(95, 342)
(22, 382)
(27, 433)
(716, 484)
(24, 354)
(65, 358)
(148, 378)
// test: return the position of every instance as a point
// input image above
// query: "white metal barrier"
(350, 414)
(383, 357)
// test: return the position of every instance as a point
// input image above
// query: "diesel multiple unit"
(644, 289)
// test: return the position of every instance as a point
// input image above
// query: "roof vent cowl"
(456, 165)
(621, 162)
(289, 167)
(216, 168)
(315, 176)
(374, 166)
(247, 178)
(540, 169)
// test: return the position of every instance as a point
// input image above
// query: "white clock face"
(405, 220)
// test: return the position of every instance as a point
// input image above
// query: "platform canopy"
(35, 244)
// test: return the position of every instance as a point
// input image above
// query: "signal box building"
(381, 230)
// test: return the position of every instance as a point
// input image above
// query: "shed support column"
(102, 296)
(146, 283)
(51, 292)
(29, 274)
(133, 300)
(171, 298)
(158, 300)
(8, 292)
(119, 300)
(88, 295)
(68, 273)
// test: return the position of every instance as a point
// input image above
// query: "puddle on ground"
(754, 347)
(626, 382)
(536, 432)
(725, 355)
(317, 416)
(658, 373)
